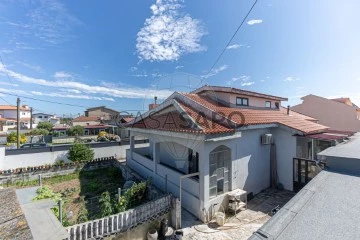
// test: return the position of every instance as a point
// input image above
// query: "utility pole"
(18, 122)
(31, 117)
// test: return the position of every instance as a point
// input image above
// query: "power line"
(222, 52)
(7, 74)
(36, 99)
(5, 101)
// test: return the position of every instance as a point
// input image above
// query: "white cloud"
(234, 46)
(9, 84)
(51, 22)
(167, 34)
(242, 79)
(254, 21)
(65, 95)
(33, 67)
(291, 79)
(247, 83)
(133, 69)
(119, 92)
(63, 75)
(178, 67)
(215, 71)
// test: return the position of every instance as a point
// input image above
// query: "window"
(45, 116)
(242, 101)
(219, 171)
(23, 113)
(39, 116)
(277, 105)
(268, 104)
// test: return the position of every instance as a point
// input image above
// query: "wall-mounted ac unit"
(266, 139)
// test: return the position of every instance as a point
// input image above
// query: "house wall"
(105, 113)
(87, 123)
(12, 114)
(174, 155)
(302, 150)
(253, 101)
(335, 115)
(285, 152)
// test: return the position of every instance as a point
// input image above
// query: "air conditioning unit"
(266, 139)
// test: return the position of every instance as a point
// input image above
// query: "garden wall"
(22, 158)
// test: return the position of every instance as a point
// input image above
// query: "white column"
(156, 156)
(132, 145)
(203, 178)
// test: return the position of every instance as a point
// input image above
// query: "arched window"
(220, 160)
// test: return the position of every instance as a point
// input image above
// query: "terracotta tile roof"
(86, 119)
(247, 117)
(127, 119)
(9, 107)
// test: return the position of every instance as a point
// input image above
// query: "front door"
(304, 171)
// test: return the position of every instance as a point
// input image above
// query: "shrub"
(12, 138)
(107, 137)
(105, 204)
(83, 215)
(131, 197)
(76, 131)
(45, 125)
(80, 152)
(45, 192)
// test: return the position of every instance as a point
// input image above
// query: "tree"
(76, 130)
(40, 131)
(12, 138)
(80, 152)
(45, 125)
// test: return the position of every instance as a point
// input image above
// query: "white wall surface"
(38, 159)
(285, 152)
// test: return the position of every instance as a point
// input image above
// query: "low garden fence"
(121, 222)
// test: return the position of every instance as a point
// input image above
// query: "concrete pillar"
(156, 157)
(132, 145)
(203, 179)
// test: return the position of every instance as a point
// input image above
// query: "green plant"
(45, 192)
(12, 138)
(80, 152)
(83, 214)
(105, 204)
(131, 197)
(45, 125)
(75, 131)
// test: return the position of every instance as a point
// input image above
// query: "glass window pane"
(212, 192)
(220, 186)
(220, 173)
(245, 101)
(212, 170)
(212, 182)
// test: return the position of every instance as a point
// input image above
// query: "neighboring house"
(43, 117)
(107, 115)
(90, 130)
(86, 121)
(8, 114)
(338, 114)
(234, 139)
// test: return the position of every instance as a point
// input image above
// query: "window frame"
(266, 102)
(242, 101)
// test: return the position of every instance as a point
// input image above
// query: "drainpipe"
(181, 178)
(288, 110)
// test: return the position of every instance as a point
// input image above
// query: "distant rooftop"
(347, 149)
(326, 208)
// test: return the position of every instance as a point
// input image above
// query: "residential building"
(338, 114)
(86, 121)
(232, 138)
(105, 114)
(8, 114)
(43, 117)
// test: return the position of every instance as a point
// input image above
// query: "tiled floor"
(243, 224)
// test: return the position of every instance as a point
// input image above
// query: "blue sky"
(123, 53)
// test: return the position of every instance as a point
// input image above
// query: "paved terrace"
(42, 222)
(240, 226)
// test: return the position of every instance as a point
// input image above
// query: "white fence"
(120, 222)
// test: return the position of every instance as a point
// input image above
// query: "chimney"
(153, 105)
(288, 110)
(25, 106)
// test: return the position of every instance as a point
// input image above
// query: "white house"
(234, 139)
(43, 117)
(8, 114)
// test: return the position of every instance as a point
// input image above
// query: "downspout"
(312, 149)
